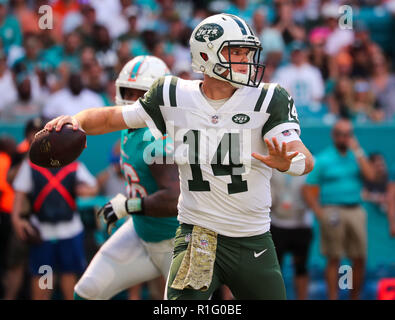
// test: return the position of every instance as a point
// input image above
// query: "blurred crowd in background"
(332, 71)
(332, 66)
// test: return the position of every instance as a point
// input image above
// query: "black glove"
(119, 207)
(109, 216)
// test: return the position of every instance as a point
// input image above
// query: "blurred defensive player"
(140, 250)
(229, 132)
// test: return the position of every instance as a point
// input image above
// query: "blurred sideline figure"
(54, 229)
(291, 226)
(7, 149)
(338, 174)
(376, 192)
(141, 249)
(18, 250)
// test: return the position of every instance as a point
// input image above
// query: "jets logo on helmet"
(139, 73)
(212, 31)
(220, 31)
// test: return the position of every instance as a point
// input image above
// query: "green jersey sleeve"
(283, 115)
(151, 101)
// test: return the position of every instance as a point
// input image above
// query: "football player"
(229, 132)
(140, 250)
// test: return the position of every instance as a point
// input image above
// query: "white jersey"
(223, 188)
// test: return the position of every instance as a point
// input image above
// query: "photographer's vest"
(53, 195)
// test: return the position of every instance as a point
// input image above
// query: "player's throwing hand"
(60, 121)
(278, 157)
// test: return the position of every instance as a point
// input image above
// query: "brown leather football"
(54, 149)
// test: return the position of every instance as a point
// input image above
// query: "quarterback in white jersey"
(219, 166)
(230, 131)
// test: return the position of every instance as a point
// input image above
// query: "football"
(54, 149)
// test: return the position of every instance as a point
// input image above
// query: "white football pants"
(122, 262)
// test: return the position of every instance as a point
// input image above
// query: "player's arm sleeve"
(23, 181)
(148, 111)
(131, 115)
(283, 114)
(84, 176)
(287, 136)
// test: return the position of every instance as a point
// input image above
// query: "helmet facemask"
(122, 92)
(255, 69)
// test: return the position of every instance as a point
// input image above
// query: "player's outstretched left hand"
(278, 157)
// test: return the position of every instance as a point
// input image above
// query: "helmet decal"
(211, 31)
(135, 70)
(239, 23)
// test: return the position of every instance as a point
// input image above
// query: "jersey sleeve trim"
(154, 119)
(265, 96)
(282, 110)
(169, 89)
(172, 91)
(159, 91)
(150, 110)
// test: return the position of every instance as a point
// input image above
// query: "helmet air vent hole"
(204, 56)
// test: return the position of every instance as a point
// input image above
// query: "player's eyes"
(241, 52)
(237, 52)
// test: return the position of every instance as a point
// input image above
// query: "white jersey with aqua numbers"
(223, 188)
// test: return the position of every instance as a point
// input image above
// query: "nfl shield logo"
(214, 119)
(204, 243)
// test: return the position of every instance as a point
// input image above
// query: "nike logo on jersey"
(256, 255)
